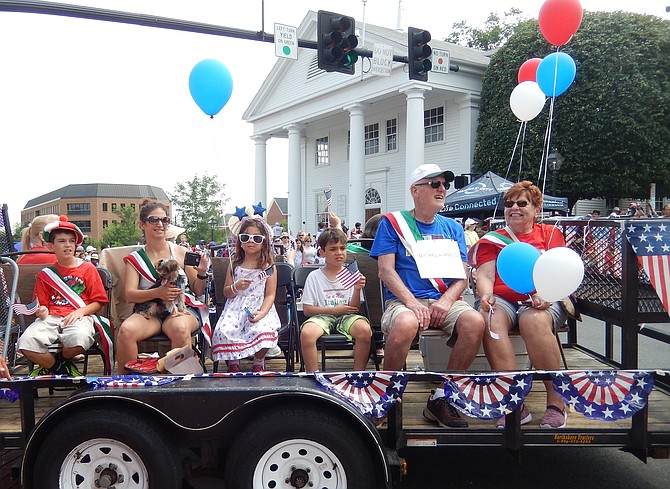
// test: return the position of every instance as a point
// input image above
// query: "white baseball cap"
(429, 171)
(470, 221)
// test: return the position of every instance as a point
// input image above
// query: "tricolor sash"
(500, 239)
(103, 326)
(405, 226)
(142, 264)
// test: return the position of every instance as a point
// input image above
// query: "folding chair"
(10, 331)
(95, 349)
(334, 341)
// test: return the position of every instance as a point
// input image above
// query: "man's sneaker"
(443, 413)
(553, 418)
(526, 417)
(40, 371)
(68, 368)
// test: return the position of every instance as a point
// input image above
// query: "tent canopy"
(484, 195)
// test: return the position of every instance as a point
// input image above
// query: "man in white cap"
(416, 299)
(471, 236)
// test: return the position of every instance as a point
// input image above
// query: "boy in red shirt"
(69, 293)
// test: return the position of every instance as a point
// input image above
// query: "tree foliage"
(495, 33)
(123, 232)
(199, 202)
(612, 125)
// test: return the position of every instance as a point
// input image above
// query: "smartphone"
(248, 312)
(192, 258)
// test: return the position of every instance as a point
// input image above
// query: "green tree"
(495, 33)
(612, 125)
(199, 203)
(123, 232)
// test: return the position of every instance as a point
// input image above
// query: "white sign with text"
(438, 258)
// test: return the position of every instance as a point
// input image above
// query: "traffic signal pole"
(105, 15)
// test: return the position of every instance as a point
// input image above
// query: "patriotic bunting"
(604, 394)
(130, 381)
(487, 396)
(372, 393)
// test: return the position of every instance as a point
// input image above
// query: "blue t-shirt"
(387, 242)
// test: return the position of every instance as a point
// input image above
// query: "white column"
(356, 211)
(468, 115)
(414, 155)
(294, 188)
(260, 186)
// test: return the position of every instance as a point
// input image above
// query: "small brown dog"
(168, 272)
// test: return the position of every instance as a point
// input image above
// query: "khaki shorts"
(42, 333)
(395, 307)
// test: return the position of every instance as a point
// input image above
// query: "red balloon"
(528, 69)
(559, 20)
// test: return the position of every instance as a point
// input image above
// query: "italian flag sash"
(142, 264)
(405, 226)
(500, 239)
(104, 327)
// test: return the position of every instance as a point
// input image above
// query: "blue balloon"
(555, 73)
(515, 266)
(211, 85)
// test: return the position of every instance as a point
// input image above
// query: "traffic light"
(336, 42)
(418, 53)
(461, 181)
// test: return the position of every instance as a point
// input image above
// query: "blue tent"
(484, 195)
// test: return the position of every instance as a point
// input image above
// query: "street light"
(554, 162)
(212, 225)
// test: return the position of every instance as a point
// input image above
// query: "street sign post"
(286, 41)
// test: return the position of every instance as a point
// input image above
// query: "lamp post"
(212, 225)
(554, 162)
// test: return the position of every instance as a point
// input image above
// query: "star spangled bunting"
(26, 309)
(130, 381)
(604, 394)
(329, 196)
(651, 243)
(266, 273)
(487, 396)
(372, 393)
(9, 395)
(349, 275)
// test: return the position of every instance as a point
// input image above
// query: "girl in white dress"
(249, 322)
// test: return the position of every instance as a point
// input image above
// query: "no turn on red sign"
(440, 61)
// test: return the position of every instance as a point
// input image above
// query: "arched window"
(372, 197)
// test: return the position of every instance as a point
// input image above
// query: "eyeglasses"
(435, 184)
(520, 203)
(156, 220)
(256, 238)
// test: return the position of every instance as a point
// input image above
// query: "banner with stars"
(604, 394)
(650, 241)
(487, 396)
(372, 393)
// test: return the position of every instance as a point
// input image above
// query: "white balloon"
(527, 100)
(557, 273)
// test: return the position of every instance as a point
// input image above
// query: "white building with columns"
(363, 134)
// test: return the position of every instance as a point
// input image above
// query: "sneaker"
(68, 368)
(40, 371)
(443, 413)
(234, 368)
(274, 352)
(526, 417)
(553, 418)
(258, 368)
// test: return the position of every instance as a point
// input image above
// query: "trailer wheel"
(298, 448)
(107, 448)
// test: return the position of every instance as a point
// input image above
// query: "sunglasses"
(520, 203)
(156, 220)
(256, 238)
(434, 184)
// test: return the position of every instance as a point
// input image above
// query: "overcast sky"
(83, 101)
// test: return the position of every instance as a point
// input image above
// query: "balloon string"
(522, 131)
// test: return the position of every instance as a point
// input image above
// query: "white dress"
(236, 337)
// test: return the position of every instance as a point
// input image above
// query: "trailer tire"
(108, 446)
(278, 448)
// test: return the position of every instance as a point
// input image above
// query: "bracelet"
(233, 288)
(201, 277)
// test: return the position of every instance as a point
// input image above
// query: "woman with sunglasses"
(142, 284)
(308, 251)
(505, 309)
(249, 322)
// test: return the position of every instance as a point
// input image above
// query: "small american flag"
(651, 243)
(26, 309)
(349, 275)
(329, 196)
(266, 273)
